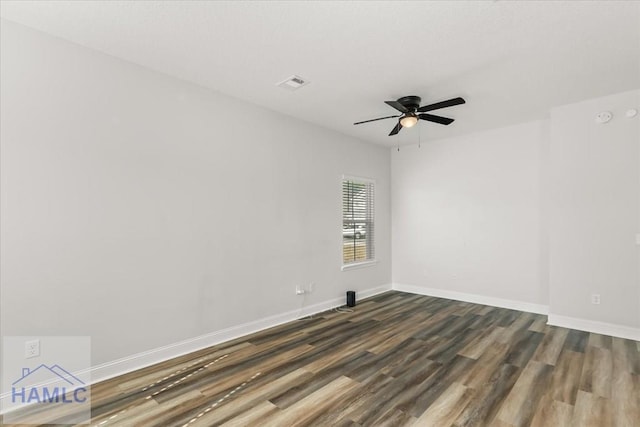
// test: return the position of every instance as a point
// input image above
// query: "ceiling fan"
(411, 111)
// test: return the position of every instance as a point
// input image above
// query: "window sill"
(356, 265)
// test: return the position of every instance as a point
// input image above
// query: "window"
(358, 208)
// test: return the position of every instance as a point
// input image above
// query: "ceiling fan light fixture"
(409, 120)
(409, 107)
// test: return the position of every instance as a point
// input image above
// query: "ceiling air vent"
(292, 83)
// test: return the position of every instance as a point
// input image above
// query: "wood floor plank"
(549, 349)
(395, 395)
(150, 408)
(565, 379)
(592, 411)
(412, 349)
(404, 331)
(490, 362)
(447, 407)
(482, 341)
(358, 401)
(521, 322)
(489, 396)
(429, 390)
(445, 349)
(552, 413)
(521, 403)
(525, 344)
(597, 371)
(383, 397)
(598, 340)
(539, 325)
(576, 341)
(396, 418)
(254, 417)
(218, 386)
(313, 406)
(625, 399)
(625, 357)
(253, 396)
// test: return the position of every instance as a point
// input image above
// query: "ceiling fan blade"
(396, 129)
(397, 106)
(443, 104)
(436, 119)
(373, 120)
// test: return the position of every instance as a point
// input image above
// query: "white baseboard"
(141, 360)
(161, 354)
(603, 328)
(137, 361)
(476, 299)
(611, 329)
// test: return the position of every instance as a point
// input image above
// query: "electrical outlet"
(300, 290)
(595, 299)
(31, 349)
(312, 287)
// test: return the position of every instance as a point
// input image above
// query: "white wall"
(595, 211)
(143, 210)
(539, 215)
(467, 214)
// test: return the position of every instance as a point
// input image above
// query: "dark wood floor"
(398, 359)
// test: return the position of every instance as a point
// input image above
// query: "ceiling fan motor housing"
(412, 103)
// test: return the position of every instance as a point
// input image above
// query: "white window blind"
(358, 230)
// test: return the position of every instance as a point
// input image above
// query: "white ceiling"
(512, 61)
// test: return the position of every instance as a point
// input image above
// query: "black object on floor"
(351, 299)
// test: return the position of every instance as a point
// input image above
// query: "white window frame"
(369, 262)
